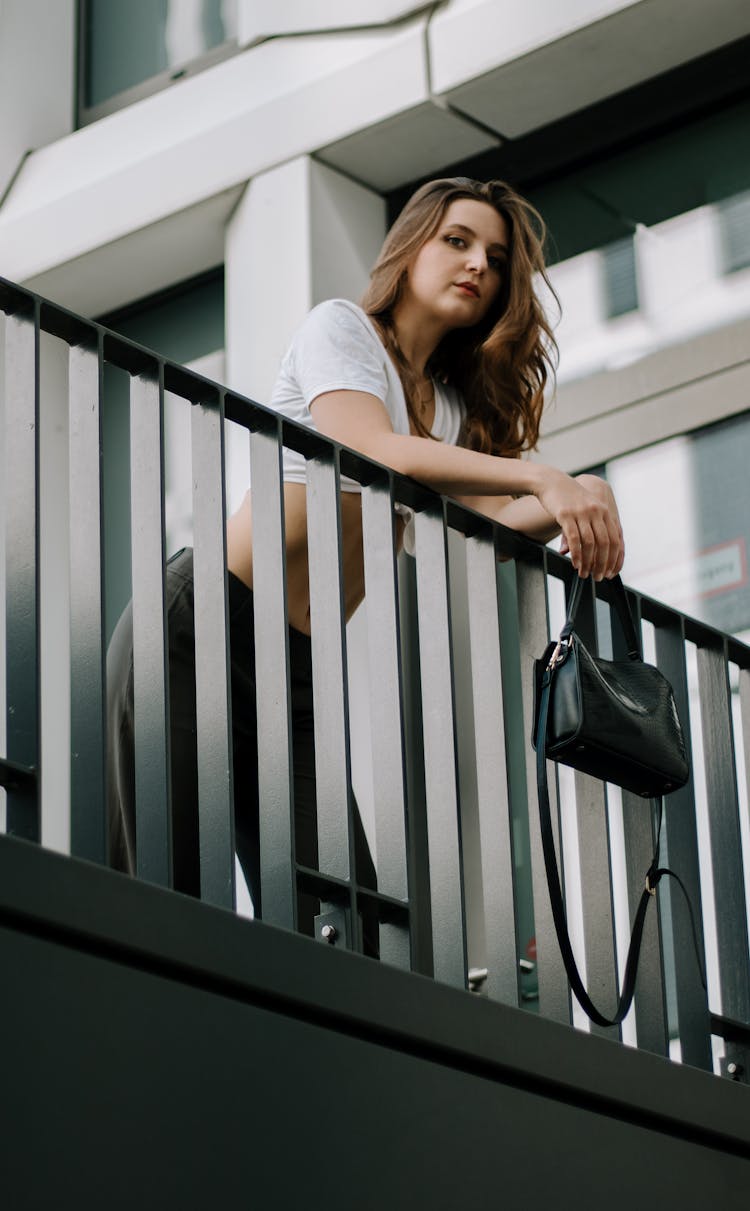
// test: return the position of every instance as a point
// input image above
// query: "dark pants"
(120, 753)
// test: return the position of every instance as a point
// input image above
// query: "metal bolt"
(328, 933)
(733, 1069)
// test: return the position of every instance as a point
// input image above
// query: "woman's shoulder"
(334, 329)
(340, 315)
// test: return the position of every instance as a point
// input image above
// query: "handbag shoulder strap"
(620, 602)
(653, 875)
(557, 903)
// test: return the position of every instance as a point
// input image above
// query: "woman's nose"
(477, 260)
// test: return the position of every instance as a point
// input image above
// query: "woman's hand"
(586, 512)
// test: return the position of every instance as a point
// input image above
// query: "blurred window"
(685, 509)
(734, 220)
(619, 273)
(129, 48)
(653, 237)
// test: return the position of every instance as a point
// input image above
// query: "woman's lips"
(468, 288)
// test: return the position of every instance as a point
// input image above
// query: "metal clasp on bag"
(558, 655)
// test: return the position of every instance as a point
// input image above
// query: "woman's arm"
(527, 515)
(523, 513)
(589, 524)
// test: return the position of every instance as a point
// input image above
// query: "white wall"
(37, 75)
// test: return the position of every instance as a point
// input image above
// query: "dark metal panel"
(21, 487)
(441, 775)
(94, 911)
(554, 993)
(212, 685)
(493, 805)
(387, 725)
(724, 827)
(595, 863)
(87, 642)
(419, 1109)
(150, 676)
(275, 782)
(333, 775)
(680, 830)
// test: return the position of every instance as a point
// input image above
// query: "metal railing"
(418, 651)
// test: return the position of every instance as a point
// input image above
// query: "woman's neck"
(418, 336)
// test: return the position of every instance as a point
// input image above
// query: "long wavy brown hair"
(501, 365)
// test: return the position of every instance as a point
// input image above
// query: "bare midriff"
(240, 551)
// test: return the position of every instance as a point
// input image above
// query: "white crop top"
(337, 348)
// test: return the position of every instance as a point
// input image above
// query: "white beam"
(518, 67)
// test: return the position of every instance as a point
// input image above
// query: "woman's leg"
(184, 776)
(121, 734)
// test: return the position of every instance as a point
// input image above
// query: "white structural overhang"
(383, 105)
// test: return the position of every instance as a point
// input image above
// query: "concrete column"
(301, 233)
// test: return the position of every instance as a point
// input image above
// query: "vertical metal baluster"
(275, 779)
(417, 858)
(441, 780)
(745, 719)
(493, 804)
(150, 661)
(332, 760)
(385, 710)
(726, 840)
(554, 993)
(650, 1006)
(595, 863)
(744, 695)
(212, 684)
(88, 811)
(22, 567)
(682, 855)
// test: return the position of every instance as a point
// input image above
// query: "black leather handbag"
(616, 720)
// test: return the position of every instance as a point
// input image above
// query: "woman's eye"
(455, 241)
(495, 262)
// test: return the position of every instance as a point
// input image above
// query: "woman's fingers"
(586, 512)
(601, 549)
(588, 546)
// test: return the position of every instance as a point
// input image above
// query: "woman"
(439, 375)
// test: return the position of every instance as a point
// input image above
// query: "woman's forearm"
(454, 471)
(525, 514)
(585, 511)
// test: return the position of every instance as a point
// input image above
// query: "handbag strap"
(654, 872)
(555, 891)
(620, 602)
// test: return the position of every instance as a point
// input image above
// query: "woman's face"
(458, 272)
